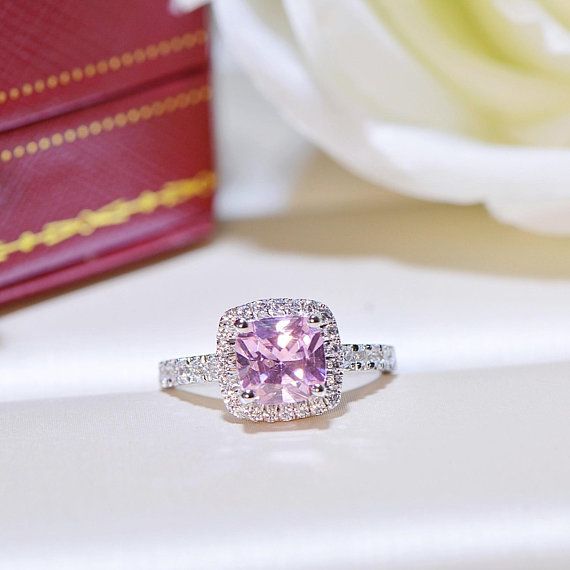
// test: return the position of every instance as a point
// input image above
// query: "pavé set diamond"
(278, 360)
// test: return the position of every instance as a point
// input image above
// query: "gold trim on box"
(132, 116)
(110, 65)
(115, 213)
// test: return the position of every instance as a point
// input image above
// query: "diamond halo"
(231, 387)
(278, 360)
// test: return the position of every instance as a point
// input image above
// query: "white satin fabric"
(463, 102)
(433, 471)
(458, 462)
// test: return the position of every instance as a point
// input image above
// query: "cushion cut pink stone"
(280, 358)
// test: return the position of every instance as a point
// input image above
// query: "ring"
(278, 360)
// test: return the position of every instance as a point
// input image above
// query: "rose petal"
(546, 217)
(355, 68)
(526, 33)
(418, 161)
(466, 60)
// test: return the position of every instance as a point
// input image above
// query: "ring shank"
(204, 368)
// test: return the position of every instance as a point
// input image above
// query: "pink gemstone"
(280, 359)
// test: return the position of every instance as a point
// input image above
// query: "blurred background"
(405, 162)
(292, 221)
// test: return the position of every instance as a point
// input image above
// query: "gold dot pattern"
(114, 63)
(132, 116)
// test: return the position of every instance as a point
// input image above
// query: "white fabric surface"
(445, 470)
(460, 461)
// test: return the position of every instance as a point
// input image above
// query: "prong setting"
(318, 390)
(247, 396)
(241, 325)
(238, 400)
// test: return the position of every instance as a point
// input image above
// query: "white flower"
(462, 101)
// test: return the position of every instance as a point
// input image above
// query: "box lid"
(57, 56)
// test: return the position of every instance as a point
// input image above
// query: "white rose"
(461, 101)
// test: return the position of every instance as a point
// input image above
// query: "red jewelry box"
(105, 139)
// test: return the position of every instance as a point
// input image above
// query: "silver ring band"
(204, 368)
(278, 360)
